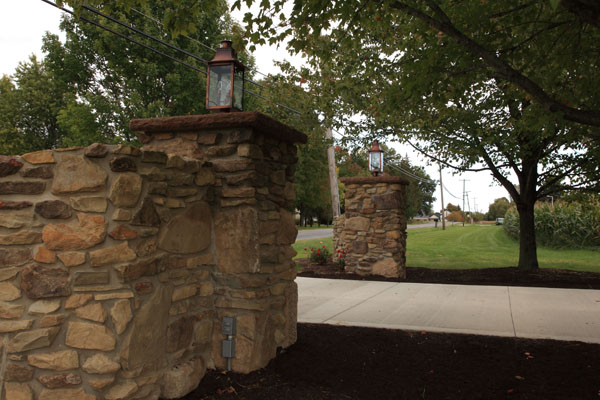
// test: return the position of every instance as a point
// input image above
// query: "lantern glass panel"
(375, 161)
(220, 86)
(238, 89)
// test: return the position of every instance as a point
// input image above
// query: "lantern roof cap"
(226, 53)
(375, 147)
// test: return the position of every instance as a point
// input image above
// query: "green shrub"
(562, 225)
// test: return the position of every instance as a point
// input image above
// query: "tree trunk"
(527, 246)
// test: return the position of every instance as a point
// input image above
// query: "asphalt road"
(320, 233)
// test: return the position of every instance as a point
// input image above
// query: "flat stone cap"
(361, 180)
(203, 122)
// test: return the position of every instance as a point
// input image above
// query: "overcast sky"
(24, 22)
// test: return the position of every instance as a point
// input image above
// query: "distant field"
(473, 247)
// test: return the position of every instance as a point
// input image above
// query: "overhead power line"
(447, 191)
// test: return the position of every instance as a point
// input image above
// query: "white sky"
(24, 22)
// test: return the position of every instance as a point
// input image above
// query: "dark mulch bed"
(509, 276)
(331, 362)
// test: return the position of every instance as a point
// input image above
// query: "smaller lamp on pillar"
(375, 159)
(225, 86)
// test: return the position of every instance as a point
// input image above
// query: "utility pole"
(469, 206)
(442, 196)
(333, 184)
(463, 207)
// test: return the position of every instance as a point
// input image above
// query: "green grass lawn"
(477, 246)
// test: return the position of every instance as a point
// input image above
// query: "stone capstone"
(83, 335)
(30, 340)
(100, 364)
(89, 204)
(57, 361)
(59, 380)
(76, 174)
(182, 379)
(53, 209)
(125, 190)
(40, 157)
(188, 232)
(41, 282)
(9, 165)
(88, 231)
(110, 255)
(96, 150)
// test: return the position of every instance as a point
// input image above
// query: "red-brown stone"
(9, 165)
(123, 164)
(122, 232)
(53, 209)
(22, 187)
(40, 282)
(14, 205)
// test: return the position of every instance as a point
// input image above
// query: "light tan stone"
(9, 292)
(52, 320)
(93, 312)
(65, 394)
(386, 267)
(100, 288)
(75, 174)
(45, 256)
(182, 379)
(357, 224)
(183, 292)
(121, 215)
(9, 311)
(57, 361)
(100, 364)
(21, 237)
(13, 326)
(148, 331)
(44, 307)
(8, 273)
(72, 258)
(39, 157)
(236, 240)
(83, 335)
(177, 146)
(114, 295)
(89, 204)
(121, 391)
(100, 384)
(188, 232)
(125, 190)
(77, 300)
(17, 391)
(31, 340)
(87, 232)
(16, 220)
(120, 314)
(111, 255)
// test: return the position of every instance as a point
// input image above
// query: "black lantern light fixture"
(375, 159)
(225, 86)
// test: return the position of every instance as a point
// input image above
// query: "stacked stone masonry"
(118, 264)
(372, 231)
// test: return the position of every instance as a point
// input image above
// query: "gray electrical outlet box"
(228, 348)
(228, 326)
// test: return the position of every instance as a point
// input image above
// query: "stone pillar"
(117, 264)
(372, 231)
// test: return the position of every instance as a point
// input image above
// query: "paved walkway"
(562, 314)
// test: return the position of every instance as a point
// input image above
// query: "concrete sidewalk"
(562, 314)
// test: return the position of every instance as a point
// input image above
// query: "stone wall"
(372, 231)
(117, 264)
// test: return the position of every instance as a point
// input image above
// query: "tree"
(451, 207)
(498, 208)
(490, 86)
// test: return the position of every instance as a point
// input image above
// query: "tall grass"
(562, 225)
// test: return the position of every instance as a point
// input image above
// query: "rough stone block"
(56, 361)
(83, 335)
(188, 232)
(40, 282)
(87, 232)
(76, 174)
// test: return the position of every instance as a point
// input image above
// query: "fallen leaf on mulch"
(520, 378)
(528, 355)
(510, 390)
